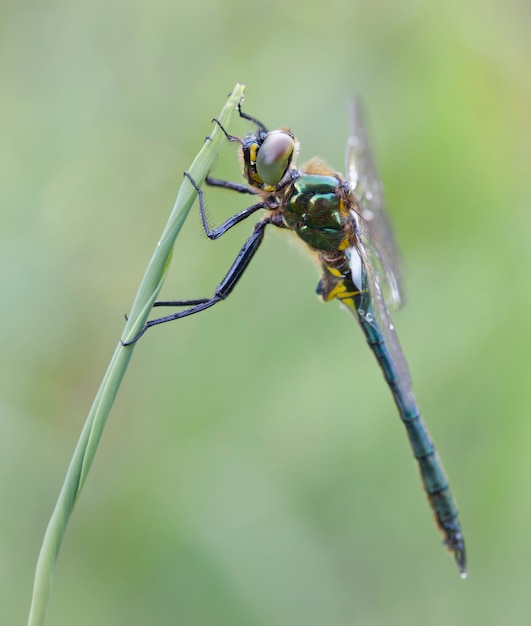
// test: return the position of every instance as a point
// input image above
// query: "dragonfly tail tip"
(460, 559)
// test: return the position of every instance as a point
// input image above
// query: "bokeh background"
(254, 470)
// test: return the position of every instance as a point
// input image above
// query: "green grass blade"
(93, 429)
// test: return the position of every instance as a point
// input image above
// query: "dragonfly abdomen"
(431, 470)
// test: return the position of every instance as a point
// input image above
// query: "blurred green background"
(254, 470)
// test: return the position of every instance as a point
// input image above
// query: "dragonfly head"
(267, 157)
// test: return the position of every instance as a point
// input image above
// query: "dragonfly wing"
(378, 326)
(374, 224)
(375, 275)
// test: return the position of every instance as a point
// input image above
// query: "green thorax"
(313, 211)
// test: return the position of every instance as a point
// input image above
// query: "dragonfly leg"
(228, 136)
(244, 116)
(252, 119)
(232, 221)
(224, 288)
(227, 184)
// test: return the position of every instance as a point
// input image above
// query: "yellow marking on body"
(344, 244)
(344, 211)
(252, 153)
(340, 292)
(349, 302)
(342, 206)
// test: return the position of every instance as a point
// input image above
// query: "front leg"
(232, 221)
(227, 184)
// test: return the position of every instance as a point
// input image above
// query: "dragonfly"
(343, 222)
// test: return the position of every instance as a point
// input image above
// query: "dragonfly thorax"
(314, 211)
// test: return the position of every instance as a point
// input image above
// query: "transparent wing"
(374, 225)
(372, 312)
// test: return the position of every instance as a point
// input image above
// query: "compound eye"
(274, 156)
